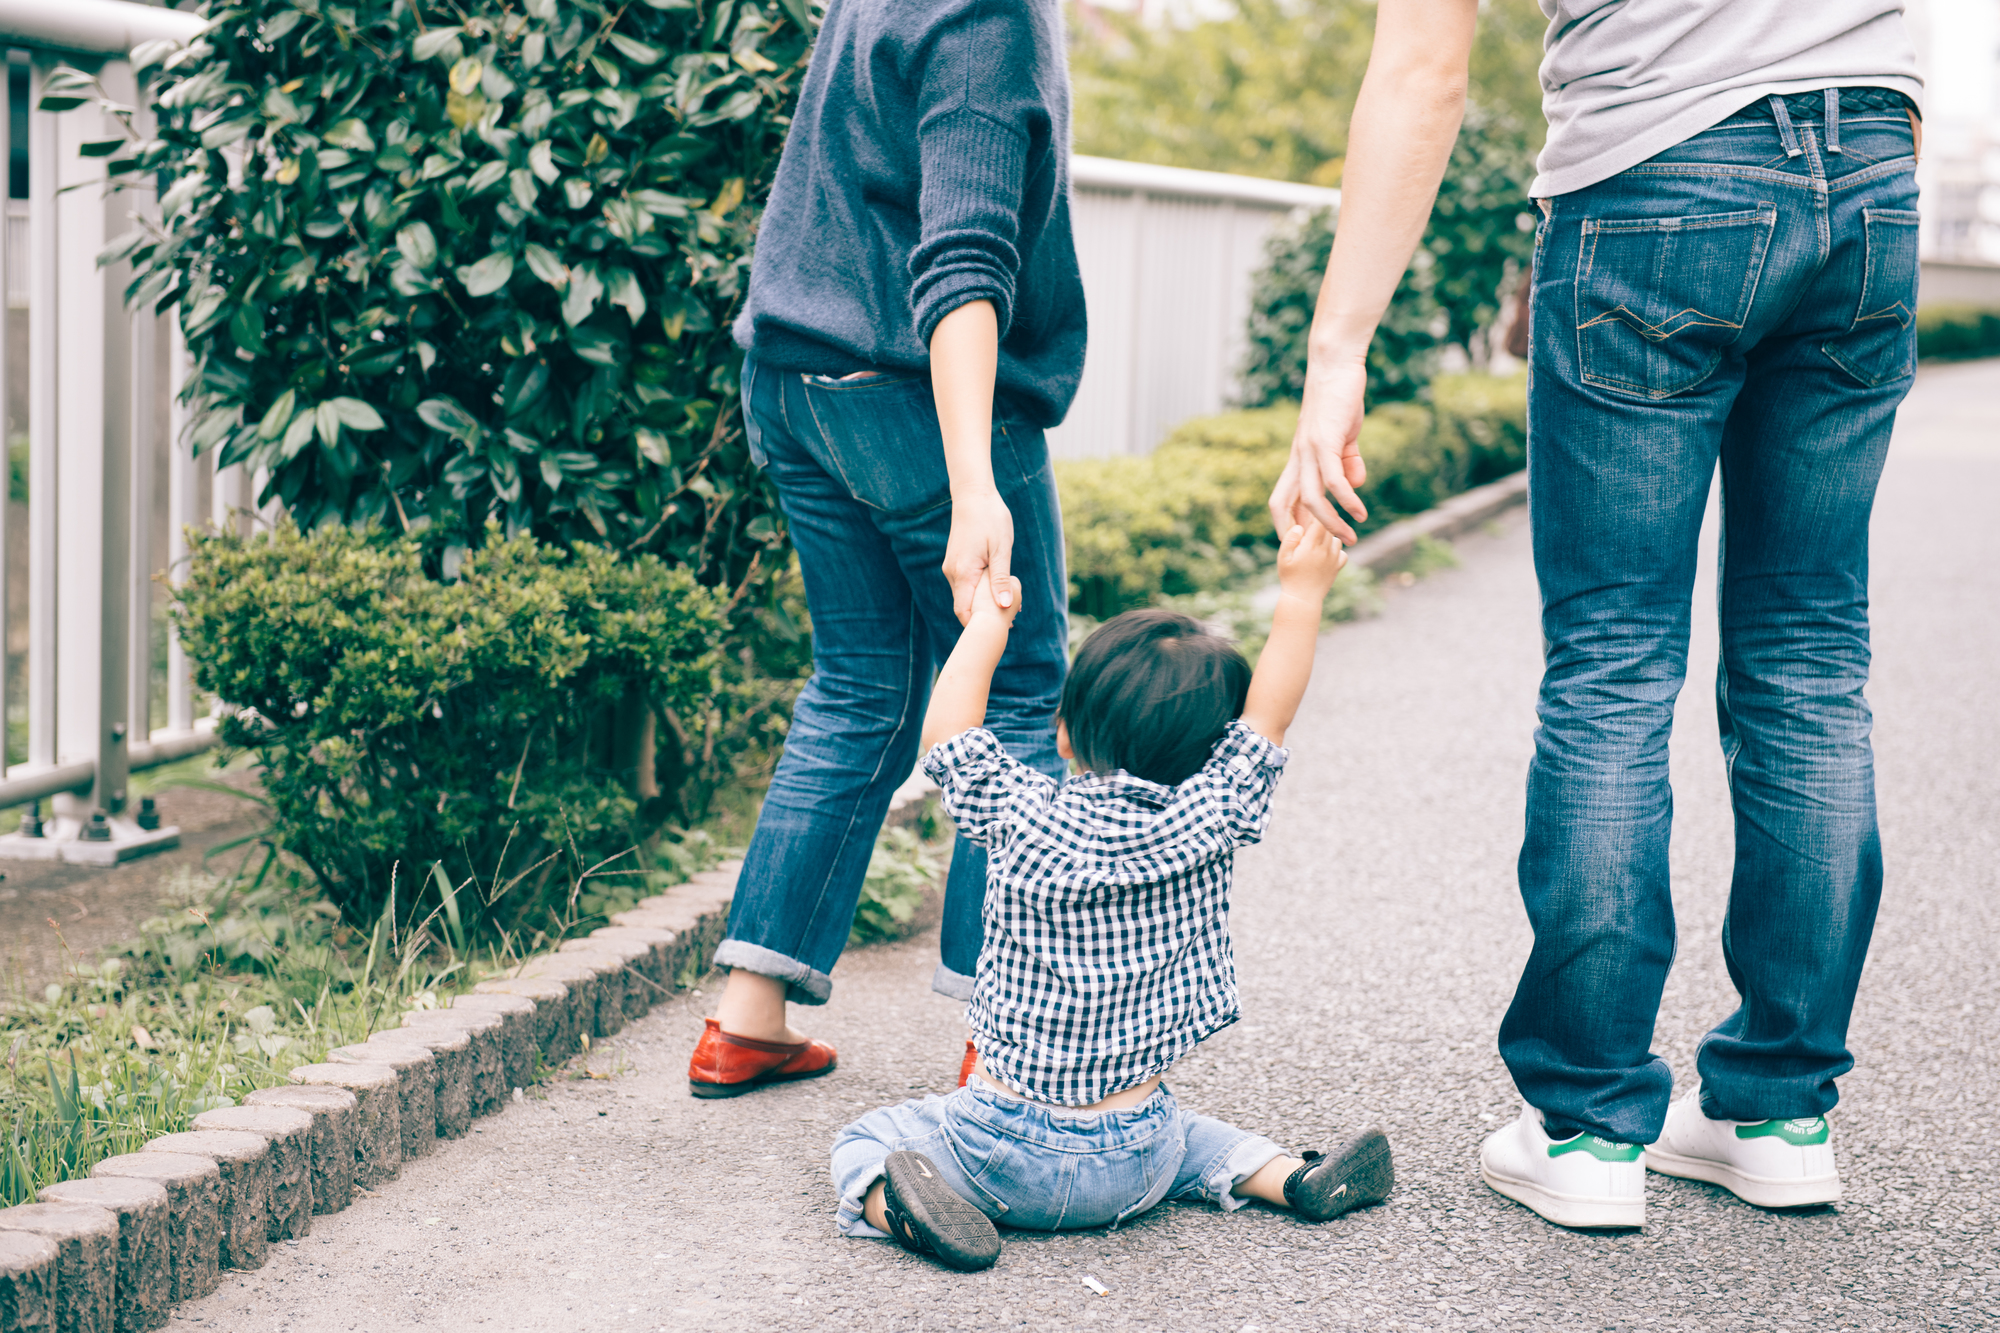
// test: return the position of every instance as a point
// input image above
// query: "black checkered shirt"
(1107, 910)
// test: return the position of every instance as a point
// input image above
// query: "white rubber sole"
(1763, 1191)
(1568, 1210)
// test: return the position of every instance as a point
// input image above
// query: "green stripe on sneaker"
(1604, 1150)
(1798, 1133)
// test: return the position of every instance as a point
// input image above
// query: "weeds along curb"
(160, 1225)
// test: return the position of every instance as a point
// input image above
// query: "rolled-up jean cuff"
(849, 1218)
(954, 984)
(1243, 1161)
(803, 985)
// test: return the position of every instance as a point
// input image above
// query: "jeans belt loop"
(1833, 120)
(1787, 136)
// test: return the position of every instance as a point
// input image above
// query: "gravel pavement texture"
(1379, 935)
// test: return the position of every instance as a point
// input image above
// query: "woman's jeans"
(1747, 296)
(859, 467)
(1043, 1168)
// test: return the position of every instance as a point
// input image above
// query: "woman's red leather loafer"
(725, 1065)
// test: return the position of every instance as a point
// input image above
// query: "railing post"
(93, 469)
(6, 320)
(92, 370)
(184, 487)
(132, 206)
(43, 405)
(143, 447)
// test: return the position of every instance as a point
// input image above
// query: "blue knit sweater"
(927, 166)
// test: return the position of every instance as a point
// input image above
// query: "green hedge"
(1957, 332)
(402, 723)
(1191, 516)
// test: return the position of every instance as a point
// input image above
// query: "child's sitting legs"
(996, 1155)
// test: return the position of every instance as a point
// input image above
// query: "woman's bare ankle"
(753, 1006)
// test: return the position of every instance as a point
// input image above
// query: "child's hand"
(986, 607)
(1309, 559)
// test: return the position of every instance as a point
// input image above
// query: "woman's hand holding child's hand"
(990, 604)
(1309, 559)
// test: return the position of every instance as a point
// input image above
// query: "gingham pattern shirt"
(1107, 910)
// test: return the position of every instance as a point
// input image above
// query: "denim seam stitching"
(903, 720)
(1893, 166)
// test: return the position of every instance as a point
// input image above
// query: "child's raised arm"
(958, 700)
(1308, 562)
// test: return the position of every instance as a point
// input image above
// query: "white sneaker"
(1771, 1163)
(1585, 1181)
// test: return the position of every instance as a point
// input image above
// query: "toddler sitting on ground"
(1107, 953)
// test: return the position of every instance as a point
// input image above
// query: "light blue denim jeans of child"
(1044, 1168)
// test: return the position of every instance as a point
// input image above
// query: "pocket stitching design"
(1898, 310)
(1763, 221)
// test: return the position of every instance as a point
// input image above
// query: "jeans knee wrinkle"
(912, 692)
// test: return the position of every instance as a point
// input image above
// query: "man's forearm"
(1284, 668)
(1405, 121)
(958, 700)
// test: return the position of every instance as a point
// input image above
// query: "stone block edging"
(160, 1225)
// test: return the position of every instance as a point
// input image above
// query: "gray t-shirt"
(1625, 79)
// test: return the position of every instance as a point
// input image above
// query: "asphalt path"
(1378, 935)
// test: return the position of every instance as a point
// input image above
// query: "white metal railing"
(106, 466)
(1167, 257)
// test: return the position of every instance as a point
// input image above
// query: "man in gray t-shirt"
(1725, 280)
(1625, 79)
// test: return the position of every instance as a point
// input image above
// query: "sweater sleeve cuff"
(974, 169)
(951, 290)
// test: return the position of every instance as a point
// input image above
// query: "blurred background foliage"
(1268, 92)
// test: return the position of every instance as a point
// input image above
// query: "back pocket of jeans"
(1659, 300)
(1881, 344)
(881, 437)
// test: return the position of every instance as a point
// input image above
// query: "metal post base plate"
(61, 843)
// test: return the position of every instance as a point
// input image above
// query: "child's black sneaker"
(926, 1216)
(1330, 1184)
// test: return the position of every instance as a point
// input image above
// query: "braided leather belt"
(1812, 106)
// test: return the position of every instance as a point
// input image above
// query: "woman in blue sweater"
(915, 322)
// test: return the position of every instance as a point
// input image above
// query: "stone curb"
(111, 1253)
(1460, 514)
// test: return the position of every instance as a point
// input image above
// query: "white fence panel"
(1167, 257)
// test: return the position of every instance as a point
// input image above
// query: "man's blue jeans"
(1746, 297)
(859, 467)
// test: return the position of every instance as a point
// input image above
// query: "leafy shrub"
(1957, 332)
(402, 721)
(444, 265)
(1480, 233)
(1489, 415)
(1283, 294)
(1191, 518)
(900, 872)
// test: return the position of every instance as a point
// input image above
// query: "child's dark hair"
(1151, 692)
